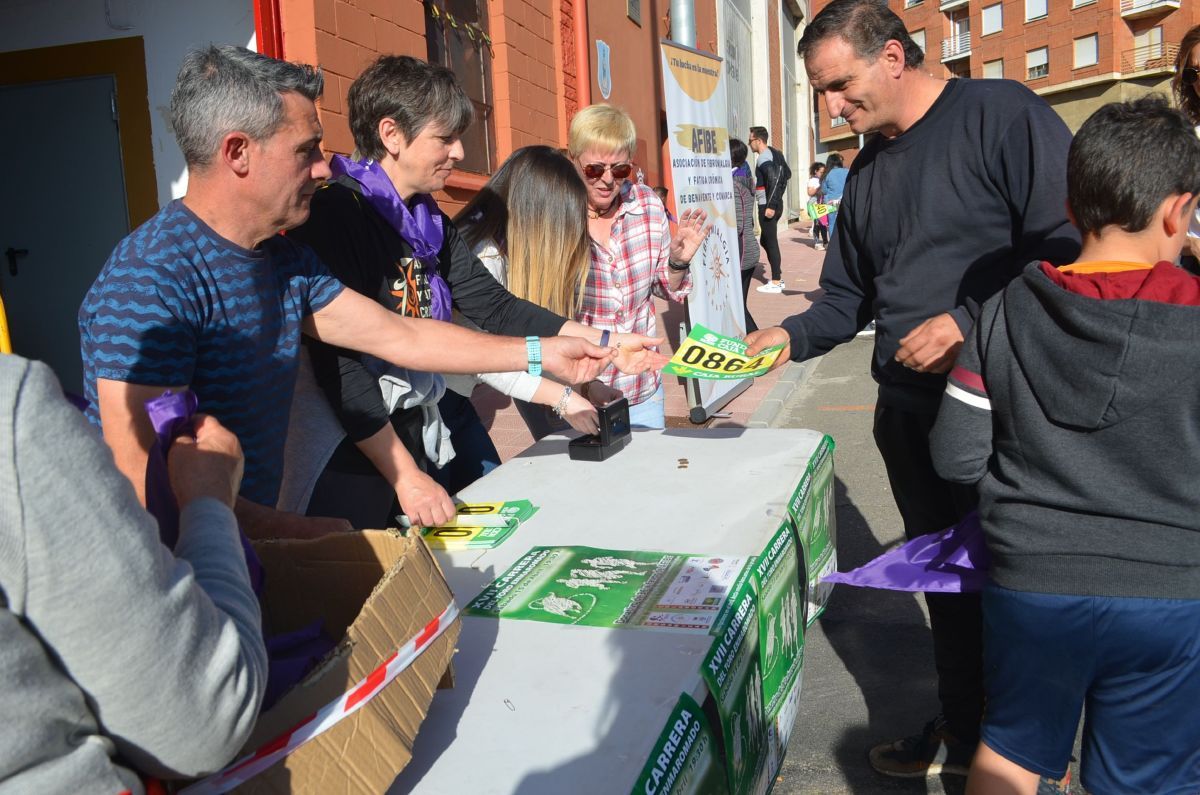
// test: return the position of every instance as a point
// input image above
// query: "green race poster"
(684, 759)
(780, 636)
(732, 671)
(811, 508)
(612, 588)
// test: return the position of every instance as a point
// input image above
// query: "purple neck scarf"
(420, 226)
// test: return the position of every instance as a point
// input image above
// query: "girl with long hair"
(528, 226)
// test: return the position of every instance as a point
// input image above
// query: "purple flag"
(954, 560)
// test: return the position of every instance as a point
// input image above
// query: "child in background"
(1074, 407)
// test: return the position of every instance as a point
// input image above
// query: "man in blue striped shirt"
(208, 295)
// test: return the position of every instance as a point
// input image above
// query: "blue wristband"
(533, 348)
(604, 338)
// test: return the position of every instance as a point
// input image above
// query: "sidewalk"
(801, 272)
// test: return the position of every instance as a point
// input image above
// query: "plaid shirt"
(623, 277)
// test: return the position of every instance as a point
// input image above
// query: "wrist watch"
(533, 349)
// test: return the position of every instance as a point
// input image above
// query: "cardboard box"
(379, 590)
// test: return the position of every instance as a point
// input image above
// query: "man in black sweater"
(962, 185)
(771, 172)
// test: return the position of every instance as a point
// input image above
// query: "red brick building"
(1077, 54)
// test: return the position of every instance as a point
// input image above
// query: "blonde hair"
(603, 127)
(535, 209)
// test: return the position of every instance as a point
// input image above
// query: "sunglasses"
(1190, 74)
(596, 170)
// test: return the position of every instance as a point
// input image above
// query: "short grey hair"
(221, 89)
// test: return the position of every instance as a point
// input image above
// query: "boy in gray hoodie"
(1074, 406)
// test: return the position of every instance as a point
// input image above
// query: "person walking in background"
(743, 202)
(924, 290)
(820, 229)
(833, 184)
(1186, 87)
(771, 174)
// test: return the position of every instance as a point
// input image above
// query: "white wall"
(168, 29)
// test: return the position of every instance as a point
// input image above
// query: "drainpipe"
(583, 54)
(268, 29)
(683, 22)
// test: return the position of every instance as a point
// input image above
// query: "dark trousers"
(474, 452)
(820, 232)
(770, 242)
(747, 278)
(928, 504)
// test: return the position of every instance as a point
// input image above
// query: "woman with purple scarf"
(365, 451)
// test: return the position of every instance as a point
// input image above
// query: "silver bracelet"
(560, 407)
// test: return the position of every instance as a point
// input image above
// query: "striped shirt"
(177, 304)
(623, 277)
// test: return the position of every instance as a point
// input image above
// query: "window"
(1034, 9)
(993, 19)
(456, 39)
(919, 37)
(993, 70)
(1037, 63)
(1080, 3)
(837, 121)
(1087, 51)
(911, 3)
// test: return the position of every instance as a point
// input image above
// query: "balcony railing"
(1131, 9)
(956, 46)
(1149, 57)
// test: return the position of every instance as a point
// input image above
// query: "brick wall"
(534, 77)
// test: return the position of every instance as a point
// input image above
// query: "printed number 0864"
(715, 360)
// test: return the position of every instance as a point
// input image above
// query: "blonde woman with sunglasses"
(1186, 86)
(632, 254)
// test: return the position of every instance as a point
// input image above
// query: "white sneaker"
(867, 330)
(771, 287)
(819, 246)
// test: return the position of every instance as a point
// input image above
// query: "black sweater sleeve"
(483, 300)
(338, 230)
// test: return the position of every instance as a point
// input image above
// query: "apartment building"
(1077, 54)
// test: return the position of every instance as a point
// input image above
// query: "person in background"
(820, 228)
(1186, 87)
(1069, 390)
(528, 226)
(662, 193)
(634, 256)
(208, 296)
(771, 174)
(924, 290)
(743, 202)
(121, 657)
(833, 184)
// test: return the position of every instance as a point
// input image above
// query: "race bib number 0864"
(706, 354)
